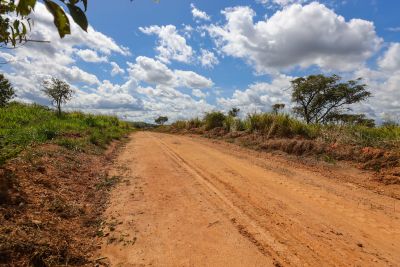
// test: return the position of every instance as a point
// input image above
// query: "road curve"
(188, 201)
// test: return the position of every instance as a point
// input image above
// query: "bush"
(213, 120)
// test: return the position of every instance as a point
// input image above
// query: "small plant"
(108, 182)
(71, 144)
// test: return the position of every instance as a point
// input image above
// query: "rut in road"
(187, 201)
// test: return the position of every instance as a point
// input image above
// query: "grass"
(23, 125)
(284, 126)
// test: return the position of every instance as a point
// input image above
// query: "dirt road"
(188, 201)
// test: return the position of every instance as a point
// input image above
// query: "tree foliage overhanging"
(15, 21)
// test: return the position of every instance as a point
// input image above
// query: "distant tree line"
(317, 99)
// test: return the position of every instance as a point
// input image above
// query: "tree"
(14, 29)
(277, 107)
(161, 120)
(6, 91)
(58, 91)
(318, 96)
(234, 112)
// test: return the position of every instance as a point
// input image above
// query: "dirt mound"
(51, 200)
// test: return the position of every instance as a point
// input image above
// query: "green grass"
(22, 125)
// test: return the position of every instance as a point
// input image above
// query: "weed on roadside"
(108, 182)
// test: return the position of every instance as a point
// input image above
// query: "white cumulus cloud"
(155, 72)
(391, 59)
(259, 96)
(171, 45)
(199, 14)
(89, 55)
(296, 36)
(208, 58)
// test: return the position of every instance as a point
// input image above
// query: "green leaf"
(25, 7)
(60, 18)
(79, 16)
(24, 30)
(85, 4)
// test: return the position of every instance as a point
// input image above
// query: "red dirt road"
(188, 201)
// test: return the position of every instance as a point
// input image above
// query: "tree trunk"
(59, 108)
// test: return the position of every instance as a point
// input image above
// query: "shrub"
(213, 120)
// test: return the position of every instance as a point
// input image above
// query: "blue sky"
(182, 58)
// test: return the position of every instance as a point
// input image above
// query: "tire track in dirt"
(293, 216)
(246, 226)
(332, 203)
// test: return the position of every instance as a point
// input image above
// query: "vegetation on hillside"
(272, 125)
(320, 106)
(23, 125)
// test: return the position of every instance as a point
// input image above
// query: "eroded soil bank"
(51, 205)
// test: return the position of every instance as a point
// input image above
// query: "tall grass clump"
(233, 124)
(179, 125)
(382, 136)
(194, 123)
(279, 125)
(272, 125)
(25, 124)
